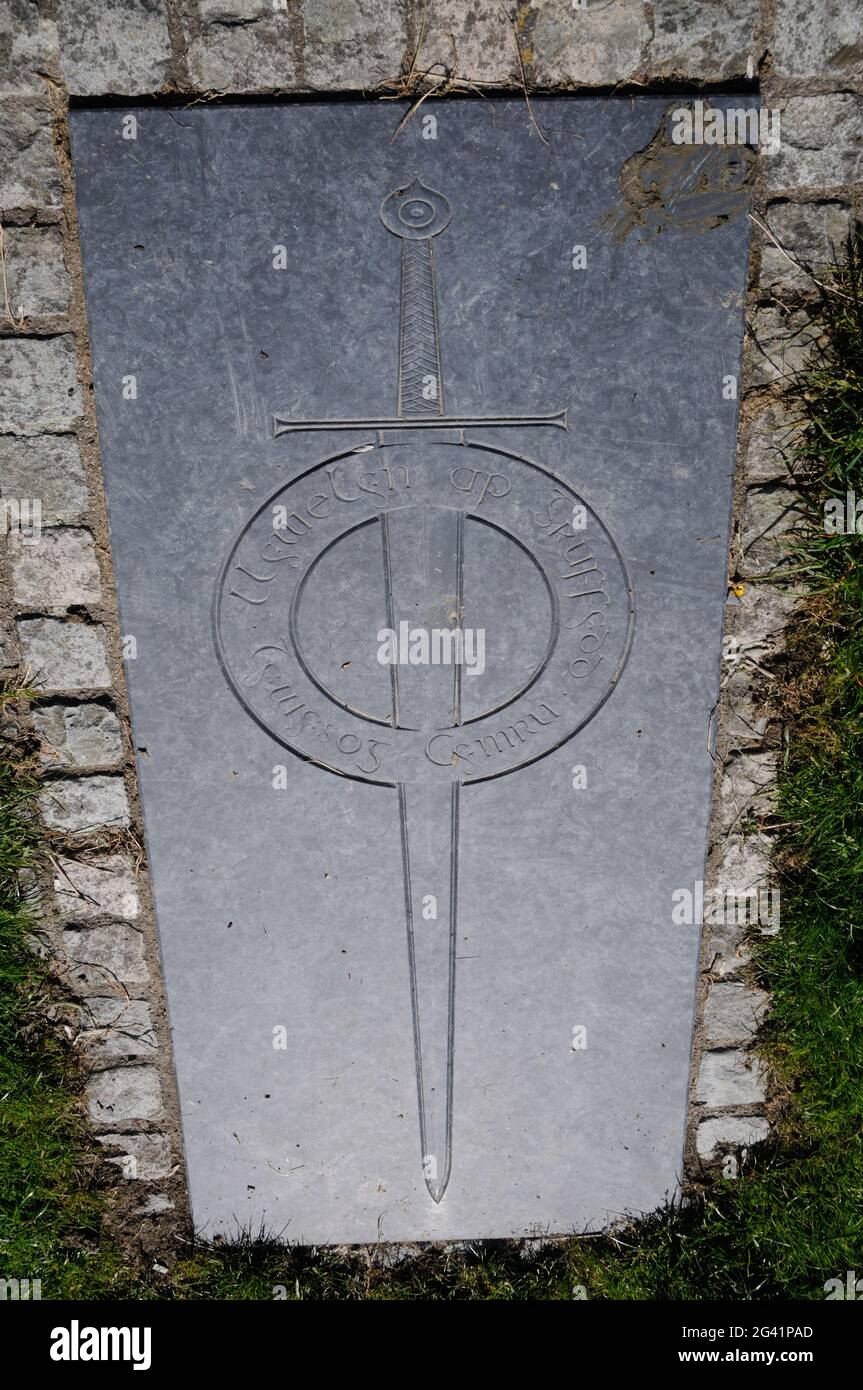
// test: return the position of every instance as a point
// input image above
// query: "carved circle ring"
(260, 593)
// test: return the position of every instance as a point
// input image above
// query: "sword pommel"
(416, 212)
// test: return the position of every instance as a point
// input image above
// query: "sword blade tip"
(436, 1190)
(436, 1184)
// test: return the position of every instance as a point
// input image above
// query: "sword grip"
(420, 381)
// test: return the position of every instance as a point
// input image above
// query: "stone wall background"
(57, 606)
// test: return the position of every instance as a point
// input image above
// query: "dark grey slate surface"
(286, 907)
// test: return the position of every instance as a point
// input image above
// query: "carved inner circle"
(416, 213)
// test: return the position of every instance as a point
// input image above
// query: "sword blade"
(423, 564)
(429, 830)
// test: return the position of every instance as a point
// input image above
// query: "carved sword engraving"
(424, 584)
(424, 749)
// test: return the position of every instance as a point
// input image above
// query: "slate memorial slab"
(418, 451)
